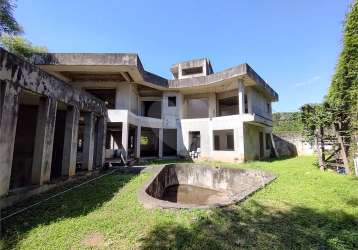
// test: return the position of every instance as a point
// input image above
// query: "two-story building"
(199, 114)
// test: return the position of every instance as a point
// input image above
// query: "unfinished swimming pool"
(189, 185)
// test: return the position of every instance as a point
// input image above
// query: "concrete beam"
(30, 77)
(88, 142)
(9, 111)
(45, 130)
(101, 141)
(70, 142)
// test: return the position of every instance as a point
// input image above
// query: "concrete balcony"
(226, 121)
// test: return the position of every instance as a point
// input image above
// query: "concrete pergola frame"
(17, 75)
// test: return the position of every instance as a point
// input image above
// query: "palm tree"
(8, 24)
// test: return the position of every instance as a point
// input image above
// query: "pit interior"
(195, 185)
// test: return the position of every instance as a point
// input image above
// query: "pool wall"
(238, 183)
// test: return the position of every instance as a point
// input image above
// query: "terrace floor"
(302, 208)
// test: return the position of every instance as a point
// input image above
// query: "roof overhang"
(128, 67)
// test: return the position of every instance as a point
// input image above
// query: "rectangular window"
(228, 106)
(224, 140)
(268, 106)
(192, 71)
(194, 140)
(268, 141)
(197, 108)
(172, 101)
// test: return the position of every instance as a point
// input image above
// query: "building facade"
(41, 119)
(199, 114)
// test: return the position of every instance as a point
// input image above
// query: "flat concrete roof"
(131, 62)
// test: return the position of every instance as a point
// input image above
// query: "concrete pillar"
(212, 105)
(88, 141)
(160, 143)
(101, 141)
(70, 142)
(241, 93)
(249, 101)
(45, 130)
(239, 140)
(9, 97)
(139, 132)
(125, 139)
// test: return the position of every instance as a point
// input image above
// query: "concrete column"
(160, 143)
(239, 140)
(212, 105)
(101, 141)
(249, 101)
(88, 141)
(9, 97)
(139, 132)
(241, 93)
(125, 139)
(45, 130)
(70, 142)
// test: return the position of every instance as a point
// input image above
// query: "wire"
(55, 195)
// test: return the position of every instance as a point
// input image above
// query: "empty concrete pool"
(188, 185)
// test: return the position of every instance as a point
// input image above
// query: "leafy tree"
(315, 118)
(20, 46)
(287, 122)
(8, 24)
(343, 92)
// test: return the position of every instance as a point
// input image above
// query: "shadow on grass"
(75, 203)
(259, 227)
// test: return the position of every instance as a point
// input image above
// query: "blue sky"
(293, 44)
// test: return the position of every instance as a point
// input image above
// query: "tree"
(316, 118)
(8, 24)
(20, 46)
(343, 92)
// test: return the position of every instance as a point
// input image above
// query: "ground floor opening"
(169, 142)
(149, 142)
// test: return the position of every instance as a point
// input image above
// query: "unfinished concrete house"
(198, 114)
(48, 129)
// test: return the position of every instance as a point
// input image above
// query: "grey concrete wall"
(292, 144)
(252, 142)
(17, 75)
(259, 103)
(31, 78)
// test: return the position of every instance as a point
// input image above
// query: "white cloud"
(308, 81)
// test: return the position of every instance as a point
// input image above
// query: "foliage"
(315, 117)
(302, 209)
(343, 92)
(287, 122)
(20, 46)
(8, 24)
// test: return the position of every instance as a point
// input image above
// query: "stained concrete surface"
(231, 185)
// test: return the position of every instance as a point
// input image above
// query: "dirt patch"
(94, 240)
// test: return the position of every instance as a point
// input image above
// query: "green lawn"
(302, 208)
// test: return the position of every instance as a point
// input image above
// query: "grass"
(302, 208)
